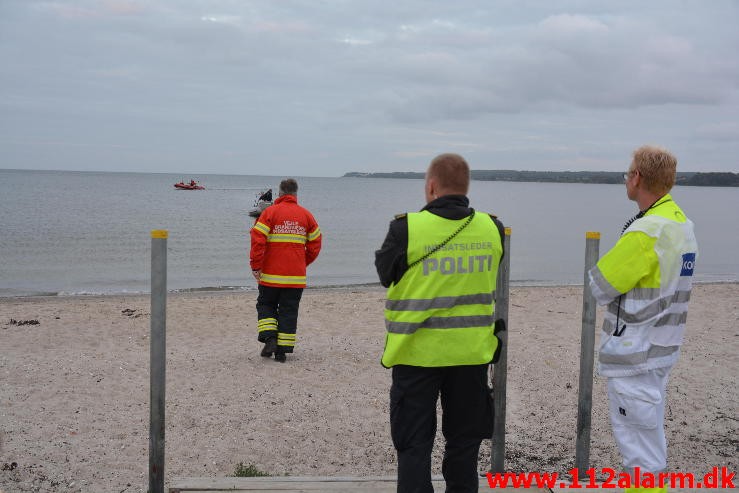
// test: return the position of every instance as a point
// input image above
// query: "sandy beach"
(74, 408)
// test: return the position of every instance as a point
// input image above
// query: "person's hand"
(256, 274)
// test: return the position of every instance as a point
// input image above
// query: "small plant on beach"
(249, 471)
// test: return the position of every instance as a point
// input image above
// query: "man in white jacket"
(646, 280)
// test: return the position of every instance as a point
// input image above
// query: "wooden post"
(587, 354)
(157, 359)
(497, 453)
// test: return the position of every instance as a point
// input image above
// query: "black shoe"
(280, 357)
(270, 346)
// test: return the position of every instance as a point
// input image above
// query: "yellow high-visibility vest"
(441, 313)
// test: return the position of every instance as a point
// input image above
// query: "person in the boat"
(192, 183)
(266, 196)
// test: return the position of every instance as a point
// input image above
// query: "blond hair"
(657, 167)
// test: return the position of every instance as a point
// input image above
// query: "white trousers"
(637, 408)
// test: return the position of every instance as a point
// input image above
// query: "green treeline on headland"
(688, 179)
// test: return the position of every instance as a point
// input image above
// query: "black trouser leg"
(467, 419)
(267, 312)
(287, 318)
(413, 397)
(459, 466)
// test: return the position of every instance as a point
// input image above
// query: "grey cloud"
(361, 78)
(571, 60)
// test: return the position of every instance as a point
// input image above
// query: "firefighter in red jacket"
(284, 241)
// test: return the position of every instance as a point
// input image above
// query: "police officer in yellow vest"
(646, 280)
(440, 267)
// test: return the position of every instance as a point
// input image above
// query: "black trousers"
(277, 315)
(467, 418)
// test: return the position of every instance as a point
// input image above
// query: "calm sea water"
(85, 233)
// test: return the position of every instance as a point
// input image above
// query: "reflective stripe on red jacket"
(284, 241)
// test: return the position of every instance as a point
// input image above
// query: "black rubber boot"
(270, 346)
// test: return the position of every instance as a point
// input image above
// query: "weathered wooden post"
(587, 354)
(157, 350)
(497, 454)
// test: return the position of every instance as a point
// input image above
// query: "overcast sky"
(319, 88)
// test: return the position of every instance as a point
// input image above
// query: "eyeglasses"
(627, 175)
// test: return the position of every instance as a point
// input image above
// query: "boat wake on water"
(251, 188)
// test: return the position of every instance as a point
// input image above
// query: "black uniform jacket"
(391, 260)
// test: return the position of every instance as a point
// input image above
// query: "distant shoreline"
(696, 179)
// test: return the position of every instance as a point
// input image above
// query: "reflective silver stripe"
(645, 314)
(676, 319)
(440, 302)
(603, 284)
(636, 358)
(440, 323)
(651, 310)
(669, 319)
(644, 293)
(681, 296)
